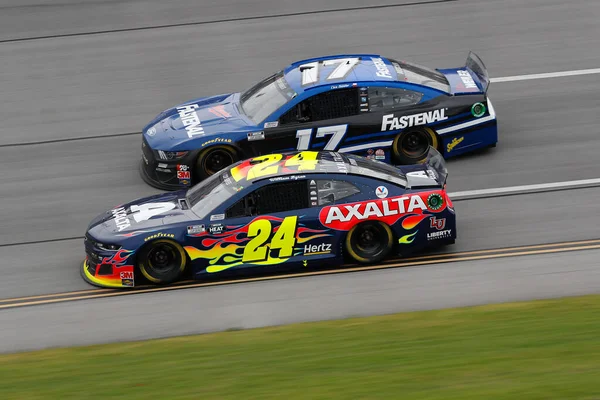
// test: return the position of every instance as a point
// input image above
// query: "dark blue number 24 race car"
(298, 210)
(361, 104)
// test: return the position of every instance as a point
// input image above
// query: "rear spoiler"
(476, 67)
(430, 174)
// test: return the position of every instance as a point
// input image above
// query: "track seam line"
(391, 261)
(224, 20)
(300, 275)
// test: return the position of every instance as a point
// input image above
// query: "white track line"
(546, 75)
(526, 189)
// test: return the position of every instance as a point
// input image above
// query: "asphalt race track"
(79, 79)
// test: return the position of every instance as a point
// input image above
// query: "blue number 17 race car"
(300, 209)
(362, 104)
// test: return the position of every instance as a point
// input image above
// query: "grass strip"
(529, 350)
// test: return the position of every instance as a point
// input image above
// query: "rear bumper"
(469, 136)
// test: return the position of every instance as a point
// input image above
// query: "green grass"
(531, 350)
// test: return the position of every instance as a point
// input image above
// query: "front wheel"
(162, 261)
(214, 159)
(412, 146)
(369, 242)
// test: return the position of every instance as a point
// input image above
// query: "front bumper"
(173, 175)
(121, 277)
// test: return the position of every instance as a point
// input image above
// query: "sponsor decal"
(167, 170)
(438, 224)
(127, 282)
(427, 174)
(219, 111)
(121, 219)
(216, 140)
(382, 69)
(381, 192)
(160, 235)
(195, 229)
(183, 175)
(126, 275)
(273, 124)
(217, 217)
(370, 154)
(435, 201)
(450, 146)
(144, 157)
(439, 235)
(343, 217)
(190, 120)
(467, 79)
(380, 154)
(363, 99)
(316, 249)
(304, 263)
(389, 122)
(162, 165)
(256, 136)
(216, 229)
(151, 131)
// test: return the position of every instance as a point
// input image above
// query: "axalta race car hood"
(190, 125)
(140, 216)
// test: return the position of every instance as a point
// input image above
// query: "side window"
(384, 98)
(332, 191)
(327, 105)
(271, 198)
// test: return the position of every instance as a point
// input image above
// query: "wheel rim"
(415, 144)
(370, 240)
(163, 258)
(216, 160)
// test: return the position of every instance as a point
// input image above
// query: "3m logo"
(438, 224)
(126, 275)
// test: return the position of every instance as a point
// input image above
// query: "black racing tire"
(214, 159)
(162, 261)
(412, 146)
(369, 242)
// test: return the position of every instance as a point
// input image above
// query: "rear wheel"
(369, 242)
(162, 261)
(412, 146)
(214, 159)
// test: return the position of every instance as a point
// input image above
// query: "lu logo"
(438, 224)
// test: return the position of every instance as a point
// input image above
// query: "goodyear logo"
(216, 140)
(160, 235)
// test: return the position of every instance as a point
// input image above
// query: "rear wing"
(430, 174)
(476, 67)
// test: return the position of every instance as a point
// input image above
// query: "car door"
(271, 225)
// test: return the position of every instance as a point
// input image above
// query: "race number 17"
(337, 133)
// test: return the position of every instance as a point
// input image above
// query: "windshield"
(266, 97)
(211, 192)
(420, 75)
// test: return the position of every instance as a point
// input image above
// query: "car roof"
(286, 166)
(365, 70)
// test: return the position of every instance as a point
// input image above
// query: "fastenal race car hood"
(189, 125)
(145, 214)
